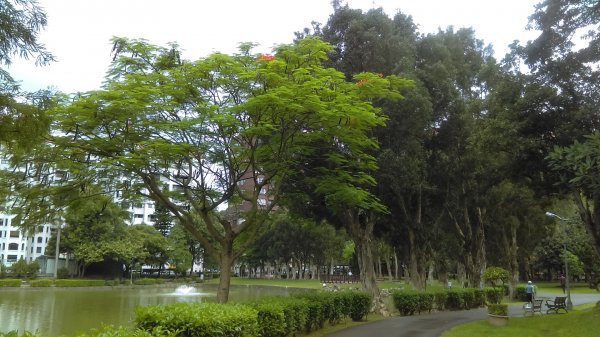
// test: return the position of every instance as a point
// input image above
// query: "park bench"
(532, 308)
(557, 304)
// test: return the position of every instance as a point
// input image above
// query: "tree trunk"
(388, 263)
(225, 264)
(361, 235)
(396, 266)
(416, 278)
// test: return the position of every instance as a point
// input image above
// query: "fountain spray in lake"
(185, 290)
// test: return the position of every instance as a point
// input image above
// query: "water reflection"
(58, 311)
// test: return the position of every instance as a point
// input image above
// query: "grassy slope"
(576, 323)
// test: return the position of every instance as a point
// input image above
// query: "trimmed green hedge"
(79, 283)
(41, 283)
(410, 302)
(10, 282)
(200, 319)
(148, 281)
(494, 295)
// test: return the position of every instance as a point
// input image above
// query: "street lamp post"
(567, 285)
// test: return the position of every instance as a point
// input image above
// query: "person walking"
(530, 291)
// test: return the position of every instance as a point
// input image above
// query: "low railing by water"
(339, 278)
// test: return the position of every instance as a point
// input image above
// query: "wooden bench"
(532, 308)
(557, 304)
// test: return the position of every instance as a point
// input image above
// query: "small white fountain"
(186, 290)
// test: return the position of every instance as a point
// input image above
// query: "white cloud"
(79, 31)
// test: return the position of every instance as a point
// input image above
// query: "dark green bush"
(440, 298)
(360, 305)
(455, 300)
(493, 295)
(10, 282)
(468, 296)
(480, 296)
(271, 319)
(22, 269)
(405, 302)
(498, 309)
(409, 303)
(62, 273)
(79, 283)
(520, 293)
(200, 319)
(41, 283)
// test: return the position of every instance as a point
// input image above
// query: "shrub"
(360, 304)
(494, 274)
(405, 302)
(498, 309)
(520, 293)
(62, 273)
(454, 300)
(271, 319)
(440, 298)
(200, 319)
(9, 282)
(79, 283)
(41, 283)
(468, 296)
(479, 300)
(493, 295)
(22, 269)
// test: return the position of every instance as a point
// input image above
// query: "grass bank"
(582, 322)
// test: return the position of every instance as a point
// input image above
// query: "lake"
(67, 311)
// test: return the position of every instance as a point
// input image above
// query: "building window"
(13, 246)
(38, 250)
(14, 234)
(39, 239)
(139, 216)
(11, 258)
(151, 217)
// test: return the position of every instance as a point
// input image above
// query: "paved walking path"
(432, 325)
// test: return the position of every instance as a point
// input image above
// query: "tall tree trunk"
(226, 265)
(416, 277)
(361, 236)
(480, 263)
(396, 266)
(388, 263)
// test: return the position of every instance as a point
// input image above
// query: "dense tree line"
(425, 149)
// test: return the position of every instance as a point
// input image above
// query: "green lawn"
(311, 284)
(579, 323)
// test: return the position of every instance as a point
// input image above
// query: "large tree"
(187, 134)
(21, 114)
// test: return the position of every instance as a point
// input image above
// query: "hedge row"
(79, 283)
(148, 281)
(9, 282)
(409, 303)
(269, 317)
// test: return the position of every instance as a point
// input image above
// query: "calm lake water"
(67, 311)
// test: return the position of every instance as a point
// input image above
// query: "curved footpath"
(432, 325)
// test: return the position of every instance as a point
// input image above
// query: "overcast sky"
(79, 31)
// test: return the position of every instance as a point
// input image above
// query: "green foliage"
(3, 271)
(520, 293)
(7, 282)
(25, 269)
(62, 273)
(495, 274)
(271, 319)
(498, 309)
(406, 302)
(200, 319)
(41, 283)
(148, 281)
(455, 300)
(79, 283)
(494, 295)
